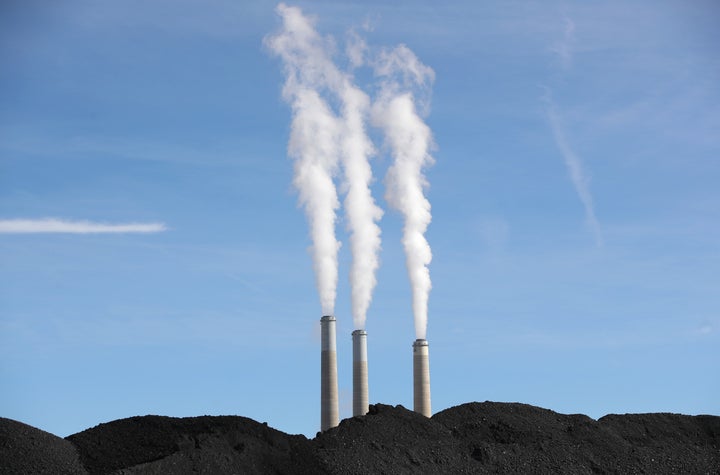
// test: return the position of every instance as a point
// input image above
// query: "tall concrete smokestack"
(421, 378)
(329, 414)
(360, 373)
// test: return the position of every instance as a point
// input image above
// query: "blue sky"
(575, 203)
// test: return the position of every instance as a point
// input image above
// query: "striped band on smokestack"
(360, 373)
(421, 378)
(329, 414)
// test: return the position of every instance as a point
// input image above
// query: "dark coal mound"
(517, 438)
(208, 444)
(471, 438)
(25, 449)
(388, 440)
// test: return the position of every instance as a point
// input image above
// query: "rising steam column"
(360, 373)
(329, 414)
(421, 378)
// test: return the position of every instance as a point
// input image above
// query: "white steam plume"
(313, 142)
(360, 208)
(362, 213)
(310, 69)
(410, 140)
(313, 145)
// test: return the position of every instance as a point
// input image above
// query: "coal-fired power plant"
(329, 413)
(329, 135)
(360, 373)
(421, 378)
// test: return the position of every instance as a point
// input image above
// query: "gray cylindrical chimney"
(421, 378)
(360, 373)
(329, 414)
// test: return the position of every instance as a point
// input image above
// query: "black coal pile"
(471, 438)
(25, 449)
(208, 444)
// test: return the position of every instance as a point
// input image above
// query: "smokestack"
(329, 414)
(360, 373)
(421, 378)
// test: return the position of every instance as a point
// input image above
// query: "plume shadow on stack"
(329, 414)
(360, 373)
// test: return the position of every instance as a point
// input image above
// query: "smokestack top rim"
(359, 332)
(420, 342)
(327, 318)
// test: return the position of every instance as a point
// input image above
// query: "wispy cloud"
(705, 329)
(563, 48)
(574, 165)
(53, 225)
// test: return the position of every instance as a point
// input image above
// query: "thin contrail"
(575, 168)
(54, 225)
(573, 162)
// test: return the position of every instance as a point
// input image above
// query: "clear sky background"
(575, 195)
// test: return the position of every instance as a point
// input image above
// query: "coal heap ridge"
(480, 438)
